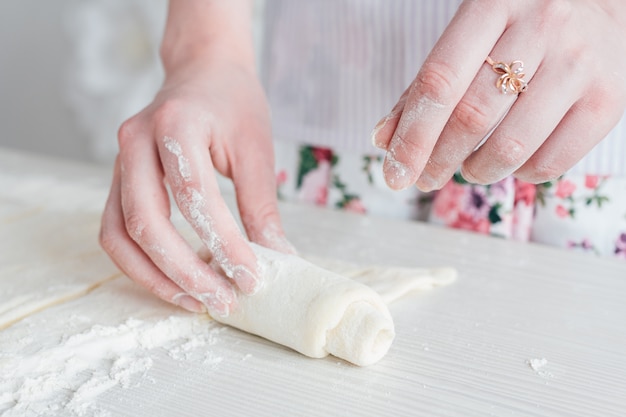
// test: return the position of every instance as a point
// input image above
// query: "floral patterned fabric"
(579, 212)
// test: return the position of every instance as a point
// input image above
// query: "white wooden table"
(525, 331)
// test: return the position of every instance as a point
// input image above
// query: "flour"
(183, 164)
(400, 175)
(537, 366)
(396, 171)
(194, 204)
(67, 379)
(277, 240)
(417, 112)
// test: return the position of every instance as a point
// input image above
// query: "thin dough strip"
(390, 282)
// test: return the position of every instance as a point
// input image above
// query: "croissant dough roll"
(314, 311)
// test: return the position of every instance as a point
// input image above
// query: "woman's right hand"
(210, 115)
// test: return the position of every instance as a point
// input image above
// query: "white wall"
(72, 70)
(34, 52)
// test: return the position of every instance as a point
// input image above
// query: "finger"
(131, 260)
(189, 172)
(255, 186)
(146, 208)
(480, 110)
(439, 86)
(383, 131)
(583, 127)
(515, 140)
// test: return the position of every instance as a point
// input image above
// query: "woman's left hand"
(574, 55)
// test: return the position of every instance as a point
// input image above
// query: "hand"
(205, 118)
(573, 52)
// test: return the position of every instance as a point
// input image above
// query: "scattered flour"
(537, 365)
(193, 203)
(276, 240)
(174, 147)
(67, 378)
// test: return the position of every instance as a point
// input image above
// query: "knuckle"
(436, 81)
(188, 198)
(579, 56)
(127, 131)
(509, 152)
(401, 142)
(104, 239)
(261, 214)
(108, 240)
(485, 9)
(135, 226)
(538, 173)
(471, 117)
(434, 176)
(170, 109)
(499, 157)
(579, 59)
(553, 14)
(436, 168)
(154, 286)
(603, 103)
(471, 175)
(403, 146)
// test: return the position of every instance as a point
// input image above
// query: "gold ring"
(510, 76)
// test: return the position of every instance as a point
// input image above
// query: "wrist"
(201, 33)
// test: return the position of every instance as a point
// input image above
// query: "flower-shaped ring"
(511, 76)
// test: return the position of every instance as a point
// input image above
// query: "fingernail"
(397, 174)
(274, 238)
(396, 112)
(466, 176)
(374, 134)
(248, 282)
(427, 183)
(219, 303)
(189, 303)
(226, 296)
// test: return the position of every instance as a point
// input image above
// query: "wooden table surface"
(526, 330)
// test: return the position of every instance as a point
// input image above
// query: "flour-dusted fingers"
(515, 140)
(439, 86)
(556, 49)
(574, 98)
(189, 171)
(483, 106)
(129, 257)
(210, 104)
(146, 208)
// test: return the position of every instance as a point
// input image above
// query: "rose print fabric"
(583, 212)
(502, 209)
(578, 212)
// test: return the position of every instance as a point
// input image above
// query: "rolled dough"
(319, 312)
